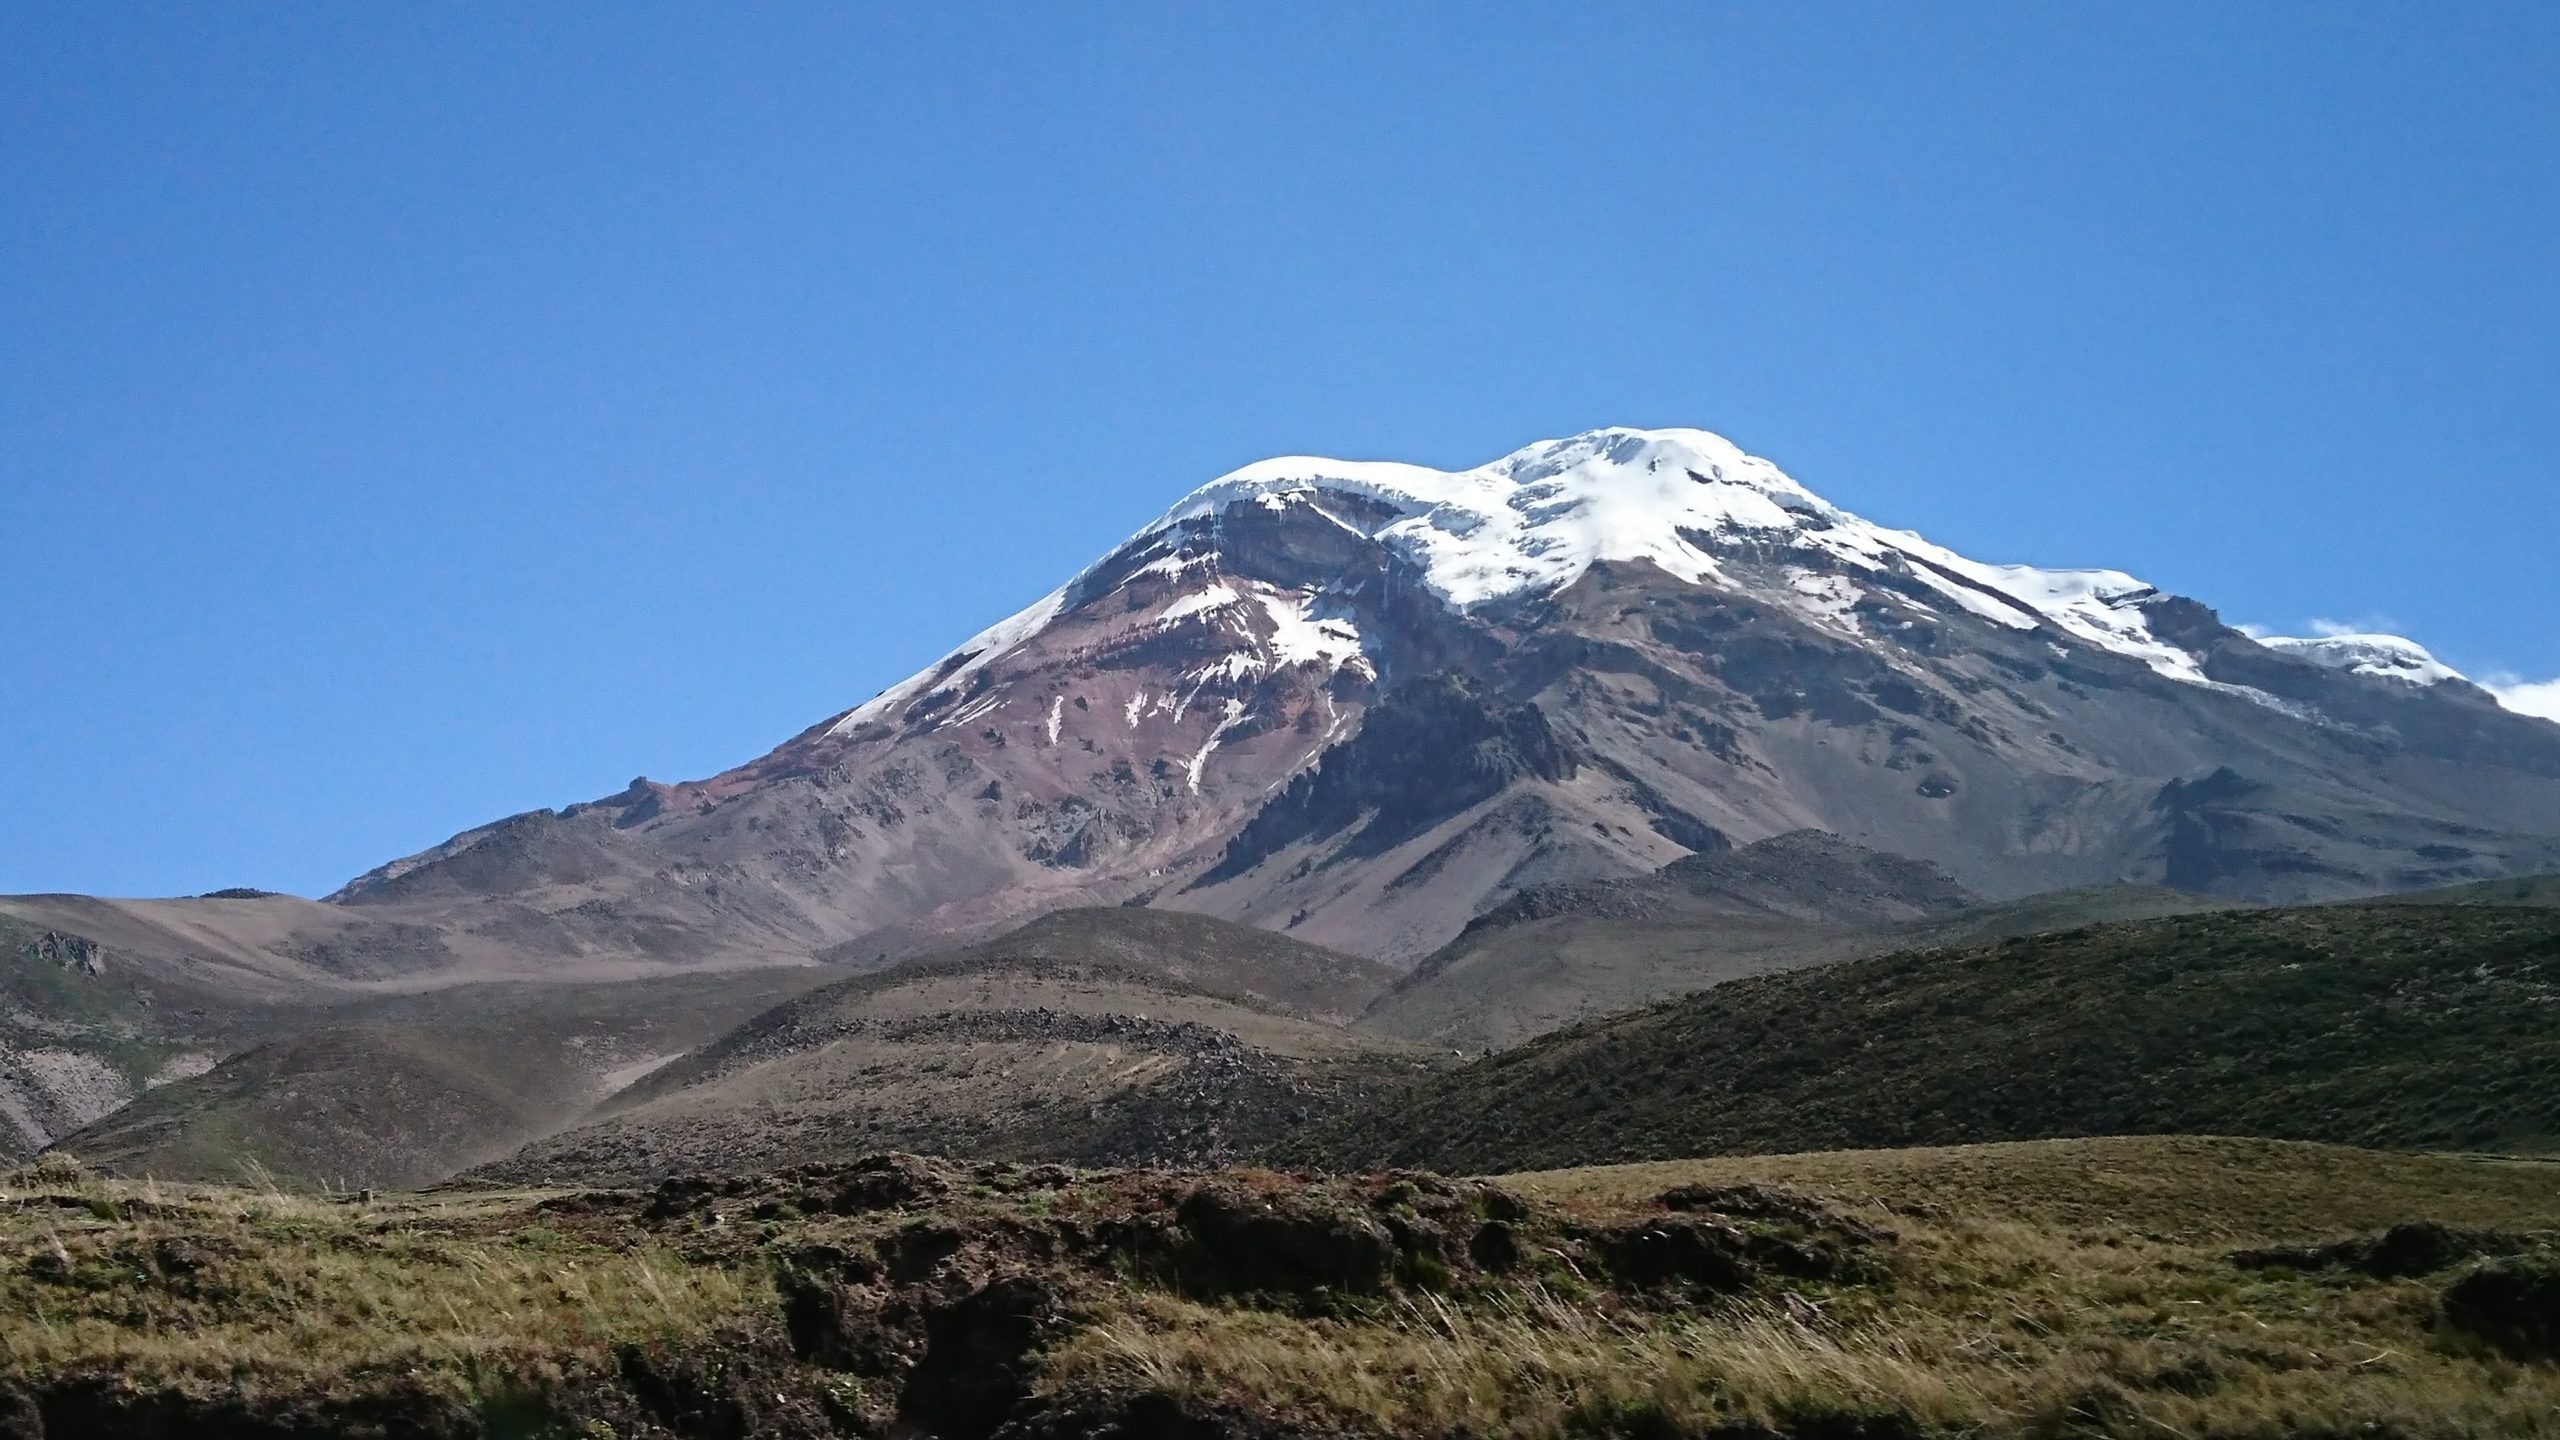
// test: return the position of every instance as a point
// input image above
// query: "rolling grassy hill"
(1499, 985)
(2382, 1025)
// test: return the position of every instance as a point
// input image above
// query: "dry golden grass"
(2078, 1349)
(199, 1286)
(2051, 1289)
(2058, 1289)
(2194, 1187)
(1532, 1367)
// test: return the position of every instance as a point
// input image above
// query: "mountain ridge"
(1363, 701)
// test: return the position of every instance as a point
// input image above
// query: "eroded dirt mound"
(2513, 1303)
(2404, 1251)
(949, 1279)
(2507, 1295)
(890, 1295)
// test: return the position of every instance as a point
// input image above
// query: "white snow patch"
(2257, 696)
(1538, 518)
(1988, 607)
(974, 712)
(1686, 501)
(1137, 704)
(2103, 608)
(1828, 599)
(1234, 667)
(1235, 712)
(2386, 657)
(1057, 716)
(987, 645)
(1299, 638)
(1174, 565)
(1199, 602)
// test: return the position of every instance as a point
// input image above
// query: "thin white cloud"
(2369, 625)
(2525, 697)
(2323, 628)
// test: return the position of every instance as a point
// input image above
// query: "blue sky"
(412, 415)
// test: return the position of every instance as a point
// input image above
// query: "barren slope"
(405, 1089)
(1079, 1039)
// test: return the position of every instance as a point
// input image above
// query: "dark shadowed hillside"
(2543, 890)
(2386, 1025)
(1557, 955)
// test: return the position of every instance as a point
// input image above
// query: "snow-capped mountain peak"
(1361, 701)
(1686, 501)
(1535, 519)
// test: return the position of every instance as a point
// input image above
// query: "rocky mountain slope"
(2542, 890)
(1807, 875)
(1199, 954)
(1363, 702)
(267, 1017)
(1095, 1033)
(85, 1027)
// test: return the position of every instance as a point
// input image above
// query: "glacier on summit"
(1683, 500)
(1536, 519)
(2386, 657)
